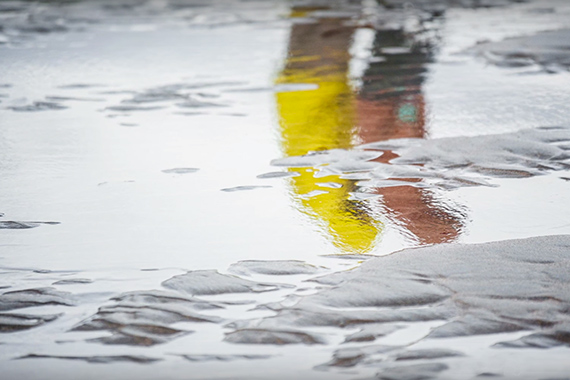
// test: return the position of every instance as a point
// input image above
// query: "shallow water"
(185, 185)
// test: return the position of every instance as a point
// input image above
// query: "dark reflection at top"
(331, 115)
(390, 102)
(391, 105)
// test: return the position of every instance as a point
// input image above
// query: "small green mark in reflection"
(407, 113)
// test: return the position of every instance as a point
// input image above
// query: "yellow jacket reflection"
(323, 118)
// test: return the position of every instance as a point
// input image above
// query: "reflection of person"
(320, 118)
(391, 105)
(331, 116)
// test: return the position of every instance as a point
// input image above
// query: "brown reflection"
(391, 105)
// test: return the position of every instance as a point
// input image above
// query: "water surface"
(178, 177)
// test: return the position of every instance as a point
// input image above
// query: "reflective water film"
(238, 189)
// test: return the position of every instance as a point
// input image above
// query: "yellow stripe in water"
(321, 119)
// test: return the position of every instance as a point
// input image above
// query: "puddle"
(339, 200)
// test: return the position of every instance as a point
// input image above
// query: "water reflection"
(320, 119)
(332, 115)
(391, 105)
(390, 102)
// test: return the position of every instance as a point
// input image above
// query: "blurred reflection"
(330, 115)
(323, 118)
(390, 102)
(391, 105)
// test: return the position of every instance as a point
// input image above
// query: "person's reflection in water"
(319, 118)
(391, 105)
(329, 115)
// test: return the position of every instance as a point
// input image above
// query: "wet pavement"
(275, 190)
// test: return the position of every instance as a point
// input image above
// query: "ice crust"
(550, 49)
(144, 318)
(524, 153)
(99, 359)
(34, 297)
(517, 288)
(326, 157)
(208, 282)
(480, 289)
(272, 336)
(17, 322)
(445, 163)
